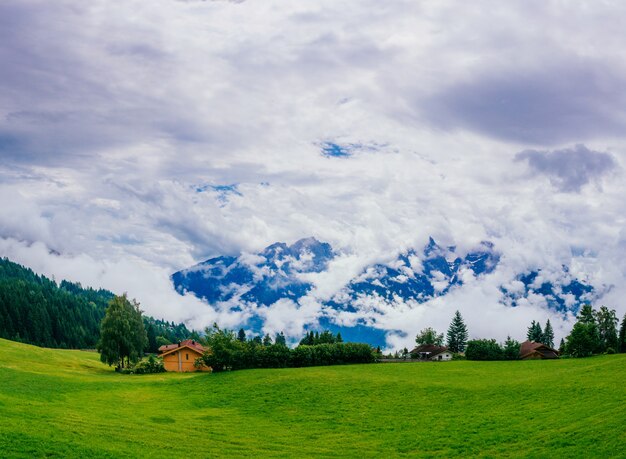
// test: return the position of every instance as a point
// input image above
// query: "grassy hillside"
(66, 404)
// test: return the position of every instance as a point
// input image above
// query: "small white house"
(431, 352)
(442, 355)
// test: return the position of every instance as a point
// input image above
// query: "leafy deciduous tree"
(122, 334)
(622, 336)
(607, 328)
(429, 336)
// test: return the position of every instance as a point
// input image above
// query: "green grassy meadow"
(56, 403)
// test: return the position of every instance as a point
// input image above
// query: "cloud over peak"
(569, 169)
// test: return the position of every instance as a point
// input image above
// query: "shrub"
(483, 349)
(146, 366)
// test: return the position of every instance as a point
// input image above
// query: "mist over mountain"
(282, 274)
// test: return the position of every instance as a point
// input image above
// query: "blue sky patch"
(333, 150)
(223, 191)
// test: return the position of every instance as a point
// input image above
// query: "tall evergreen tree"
(267, 340)
(241, 336)
(280, 339)
(535, 333)
(586, 314)
(510, 350)
(457, 334)
(584, 339)
(548, 335)
(152, 341)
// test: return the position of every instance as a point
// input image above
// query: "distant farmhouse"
(431, 352)
(181, 356)
(531, 350)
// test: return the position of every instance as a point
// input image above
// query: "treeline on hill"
(229, 351)
(595, 332)
(36, 310)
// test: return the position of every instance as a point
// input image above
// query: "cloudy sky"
(138, 138)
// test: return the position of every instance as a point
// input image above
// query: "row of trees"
(490, 349)
(234, 352)
(536, 334)
(35, 310)
(595, 332)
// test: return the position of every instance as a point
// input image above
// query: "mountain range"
(253, 282)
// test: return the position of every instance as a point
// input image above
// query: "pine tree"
(241, 336)
(586, 315)
(267, 340)
(457, 334)
(562, 346)
(535, 333)
(548, 335)
(152, 341)
(583, 340)
(622, 336)
(280, 339)
(511, 349)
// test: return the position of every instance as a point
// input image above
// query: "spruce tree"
(586, 315)
(457, 334)
(511, 349)
(584, 339)
(280, 339)
(535, 333)
(241, 336)
(267, 340)
(548, 335)
(152, 341)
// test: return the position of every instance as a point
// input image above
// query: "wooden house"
(182, 356)
(431, 352)
(532, 350)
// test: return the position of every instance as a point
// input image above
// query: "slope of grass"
(56, 403)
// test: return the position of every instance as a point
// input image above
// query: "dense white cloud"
(121, 122)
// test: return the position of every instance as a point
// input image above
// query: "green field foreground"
(56, 403)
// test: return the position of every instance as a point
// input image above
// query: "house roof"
(530, 347)
(188, 343)
(431, 349)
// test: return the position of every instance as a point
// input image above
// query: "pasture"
(58, 403)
